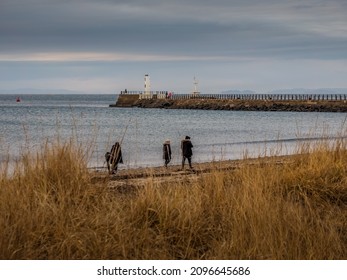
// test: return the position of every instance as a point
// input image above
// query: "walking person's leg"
(115, 167)
(114, 170)
(108, 166)
(190, 162)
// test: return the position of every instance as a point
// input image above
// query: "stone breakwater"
(237, 105)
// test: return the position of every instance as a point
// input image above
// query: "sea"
(87, 120)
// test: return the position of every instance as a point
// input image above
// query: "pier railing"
(269, 97)
(149, 94)
(257, 96)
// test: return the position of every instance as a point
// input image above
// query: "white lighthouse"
(147, 91)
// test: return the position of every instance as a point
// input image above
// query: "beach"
(139, 177)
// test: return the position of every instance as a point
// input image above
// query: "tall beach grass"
(271, 209)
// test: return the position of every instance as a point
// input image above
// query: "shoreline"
(137, 177)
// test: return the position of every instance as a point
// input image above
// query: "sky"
(104, 46)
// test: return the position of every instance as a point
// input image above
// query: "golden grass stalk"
(271, 209)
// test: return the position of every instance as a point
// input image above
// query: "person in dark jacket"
(186, 146)
(113, 158)
(167, 152)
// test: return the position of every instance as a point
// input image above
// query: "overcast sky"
(105, 46)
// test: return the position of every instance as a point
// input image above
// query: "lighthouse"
(147, 85)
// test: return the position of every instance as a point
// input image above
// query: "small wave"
(284, 140)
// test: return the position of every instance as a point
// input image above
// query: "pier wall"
(305, 103)
(126, 100)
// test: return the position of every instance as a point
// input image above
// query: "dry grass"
(51, 209)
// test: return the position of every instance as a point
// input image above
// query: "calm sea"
(215, 135)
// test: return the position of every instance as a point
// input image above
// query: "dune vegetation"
(50, 208)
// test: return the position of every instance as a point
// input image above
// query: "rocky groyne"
(236, 105)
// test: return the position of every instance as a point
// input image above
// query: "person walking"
(167, 152)
(113, 158)
(186, 146)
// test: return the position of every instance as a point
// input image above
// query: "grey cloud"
(289, 29)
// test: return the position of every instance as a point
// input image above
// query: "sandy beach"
(137, 177)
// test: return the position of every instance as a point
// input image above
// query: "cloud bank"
(221, 35)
